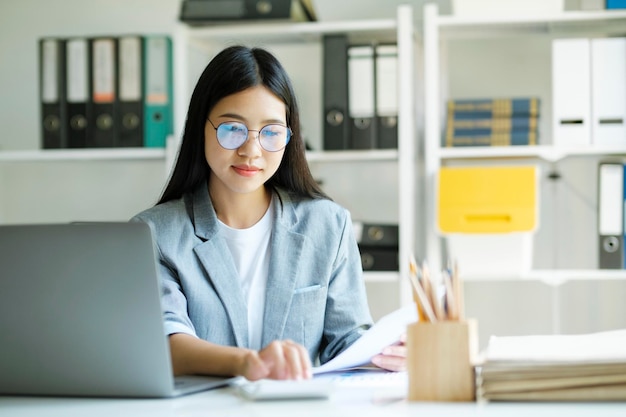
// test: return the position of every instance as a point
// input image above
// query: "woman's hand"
(392, 358)
(281, 359)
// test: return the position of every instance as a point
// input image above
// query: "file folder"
(102, 128)
(610, 215)
(52, 93)
(129, 114)
(78, 87)
(571, 92)
(158, 110)
(608, 92)
(387, 95)
(361, 97)
(335, 90)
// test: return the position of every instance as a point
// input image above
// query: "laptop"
(80, 314)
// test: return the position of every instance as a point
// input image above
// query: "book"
(493, 107)
(494, 139)
(493, 124)
(583, 367)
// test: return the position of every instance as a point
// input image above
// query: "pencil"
(424, 309)
(451, 299)
(458, 290)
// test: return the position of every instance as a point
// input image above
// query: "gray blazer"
(315, 292)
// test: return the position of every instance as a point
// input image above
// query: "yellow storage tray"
(487, 199)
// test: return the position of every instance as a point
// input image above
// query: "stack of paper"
(588, 367)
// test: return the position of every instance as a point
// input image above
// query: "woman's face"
(247, 168)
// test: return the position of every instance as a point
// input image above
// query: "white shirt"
(251, 253)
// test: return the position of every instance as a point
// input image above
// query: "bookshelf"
(372, 184)
(506, 56)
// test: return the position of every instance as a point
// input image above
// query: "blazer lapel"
(219, 266)
(286, 249)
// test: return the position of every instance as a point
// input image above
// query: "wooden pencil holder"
(440, 360)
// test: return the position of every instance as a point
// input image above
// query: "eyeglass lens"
(274, 137)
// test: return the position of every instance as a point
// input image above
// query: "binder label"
(77, 81)
(103, 71)
(361, 81)
(157, 76)
(50, 76)
(387, 80)
(130, 69)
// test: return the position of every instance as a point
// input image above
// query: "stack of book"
(492, 122)
(586, 367)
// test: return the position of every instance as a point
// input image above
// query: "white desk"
(351, 402)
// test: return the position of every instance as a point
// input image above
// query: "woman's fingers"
(286, 360)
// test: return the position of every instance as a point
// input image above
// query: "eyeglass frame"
(258, 134)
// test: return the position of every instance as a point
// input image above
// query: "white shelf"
(608, 22)
(545, 152)
(555, 276)
(286, 32)
(42, 155)
(353, 156)
(381, 276)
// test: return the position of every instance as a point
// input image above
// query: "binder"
(362, 96)
(78, 90)
(571, 92)
(387, 95)
(52, 93)
(616, 4)
(129, 114)
(376, 234)
(376, 258)
(102, 130)
(335, 92)
(608, 91)
(158, 110)
(610, 215)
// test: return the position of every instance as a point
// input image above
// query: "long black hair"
(235, 69)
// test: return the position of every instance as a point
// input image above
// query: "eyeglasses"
(231, 135)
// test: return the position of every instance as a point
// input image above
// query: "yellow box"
(487, 199)
(440, 360)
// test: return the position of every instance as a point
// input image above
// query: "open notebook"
(81, 313)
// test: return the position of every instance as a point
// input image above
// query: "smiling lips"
(246, 170)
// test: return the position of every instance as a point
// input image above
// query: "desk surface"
(345, 401)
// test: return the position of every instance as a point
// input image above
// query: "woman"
(261, 274)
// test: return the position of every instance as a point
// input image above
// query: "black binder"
(335, 83)
(374, 258)
(52, 93)
(374, 234)
(129, 113)
(78, 91)
(101, 127)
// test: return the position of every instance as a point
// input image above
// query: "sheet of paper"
(385, 332)
(601, 346)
